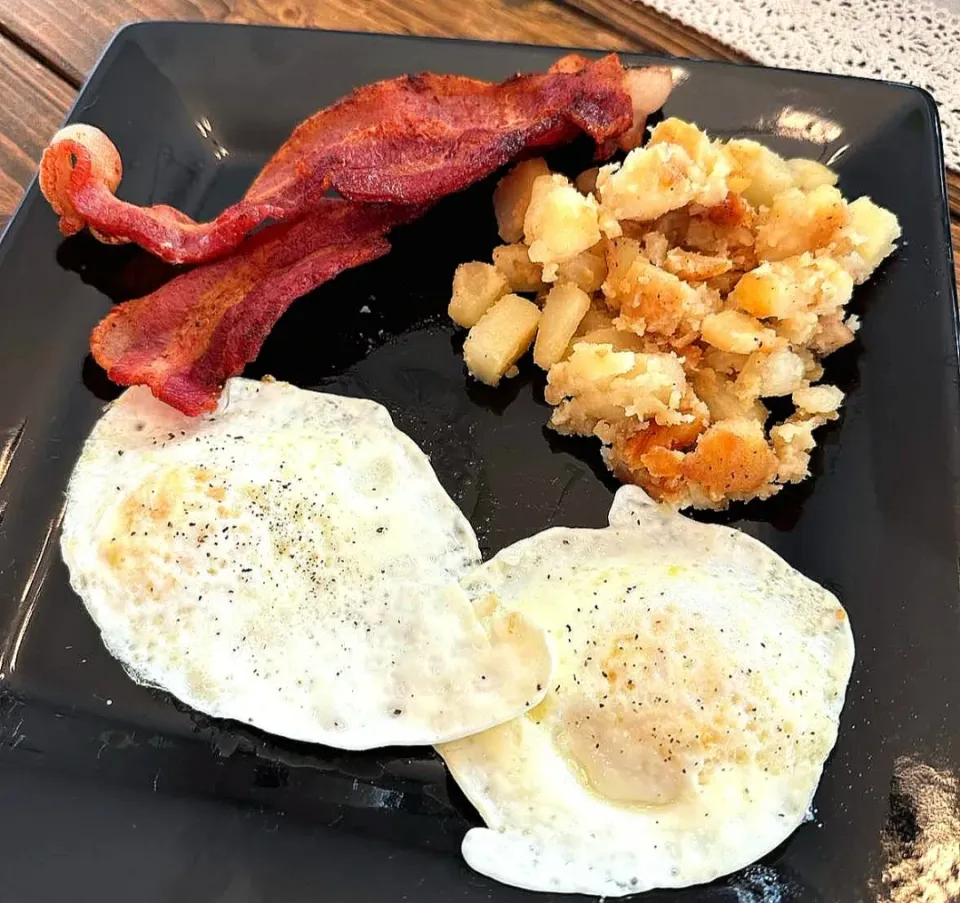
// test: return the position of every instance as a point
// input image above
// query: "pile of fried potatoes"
(667, 297)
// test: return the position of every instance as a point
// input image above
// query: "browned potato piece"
(798, 222)
(501, 337)
(512, 197)
(565, 307)
(692, 267)
(678, 166)
(521, 273)
(792, 287)
(872, 233)
(587, 270)
(762, 294)
(731, 330)
(768, 375)
(650, 182)
(619, 339)
(716, 391)
(476, 288)
(822, 400)
(732, 458)
(832, 333)
(766, 174)
(622, 254)
(559, 223)
(809, 174)
(658, 301)
(685, 134)
(598, 317)
(656, 246)
(793, 441)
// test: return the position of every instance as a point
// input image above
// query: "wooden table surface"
(47, 47)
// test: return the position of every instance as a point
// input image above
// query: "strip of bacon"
(404, 142)
(185, 339)
(408, 140)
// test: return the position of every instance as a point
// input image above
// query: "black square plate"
(110, 791)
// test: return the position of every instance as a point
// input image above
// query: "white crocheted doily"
(915, 41)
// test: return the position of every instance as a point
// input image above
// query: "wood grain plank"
(662, 32)
(34, 104)
(71, 33)
(953, 192)
(533, 21)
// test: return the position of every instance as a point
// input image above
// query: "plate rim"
(107, 58)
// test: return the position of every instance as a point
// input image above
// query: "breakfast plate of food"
(497, 472)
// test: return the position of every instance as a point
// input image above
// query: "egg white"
(698, 685)
(291, 561)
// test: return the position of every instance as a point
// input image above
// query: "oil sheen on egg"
(697, 692)
(291, 561)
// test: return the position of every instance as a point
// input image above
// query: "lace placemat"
(915, 41)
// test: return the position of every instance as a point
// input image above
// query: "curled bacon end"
(79, 173)
(407, 140)
(185, 339)
(79, 157)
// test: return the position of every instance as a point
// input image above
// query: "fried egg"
(291, 561)
(696, 695)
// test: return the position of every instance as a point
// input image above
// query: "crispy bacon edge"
(408, 140)
(186, 338)
(442, 133)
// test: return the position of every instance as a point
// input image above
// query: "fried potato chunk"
(809, 174)
(679, 290)
(764, 174)
(831, 333)
(822, 400)
(587, 270)
(793, 442)
(621, 255)
(658, 301)
(563, 310)
(796, 285)
(769, 374)
(598, 385)
(701, 150)
(559, 223)
(732, 460)
(511, 198)
(500, 338)
(868, 238)
(649, 183)
(736, 332)
(476, 288)
(692, 267)
(797, 222)
(679, 166)
(615, 338)
(723, 402)
(521, 273)
(598, 317)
